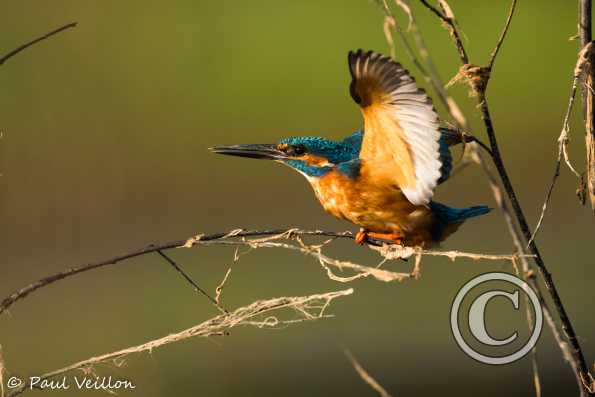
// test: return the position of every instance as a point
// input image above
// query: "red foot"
(362, 236)
(394, 237)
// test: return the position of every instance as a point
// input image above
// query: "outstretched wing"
(400, 123)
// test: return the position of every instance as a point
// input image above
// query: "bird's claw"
(362, 236)
(395, 238)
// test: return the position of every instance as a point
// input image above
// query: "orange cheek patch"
(313, 160)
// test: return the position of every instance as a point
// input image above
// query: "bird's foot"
(362, 236)
(393, 237)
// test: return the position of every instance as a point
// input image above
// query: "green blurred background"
(104, 150)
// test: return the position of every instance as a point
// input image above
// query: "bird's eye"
(298, 150)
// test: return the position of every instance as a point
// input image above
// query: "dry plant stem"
(562, 151)
(219, 288)
(191, 282)
(389, 252)
(430, 75)
(480, 91)
(498, 194)
(530, 278)
(238, 237)
(23, 292)
(310, 307)
(516, 239)
(494, 53)
(23, 47)
(360, 271)
(458, 116)
(547, 277)
(366, 377)
(585, 36)
(479, 88)
(449, 22)
(584, 32)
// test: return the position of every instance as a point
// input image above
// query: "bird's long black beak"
(255, 151)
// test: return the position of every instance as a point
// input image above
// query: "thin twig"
(238, 237)
(310, 307)
(12, 53)
(366, 377)
(547, 277)
(23, 292)
(516, 236)
(584, 33)
(449, 21)
(494, 53)
(219, 288)
(430, 74)
(192, 283)
(361, 271)
(516, 239)
(479, 77)
(581, 64)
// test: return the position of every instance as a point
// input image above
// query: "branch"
(584, 33)
(449, 21)
(23, 292)
(430, 75)
(475, 156)
(478, 77)
(33, 42)
(524, 226)
(581, 64)
(266, 240)
(366, 377)
(529, 276)
(195, 286)
(502, 35)
(308, 308)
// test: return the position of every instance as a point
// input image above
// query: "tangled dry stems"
(478, 78)
(306, 308)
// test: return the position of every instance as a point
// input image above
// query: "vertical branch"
(449, 21)
(524, 226)
(478, 78)
(584, 32)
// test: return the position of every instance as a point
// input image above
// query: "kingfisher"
(381, 178)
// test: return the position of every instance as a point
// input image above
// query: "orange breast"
(375, 206)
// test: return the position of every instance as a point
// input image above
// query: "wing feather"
(401, 126)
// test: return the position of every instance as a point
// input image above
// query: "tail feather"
(449, 219)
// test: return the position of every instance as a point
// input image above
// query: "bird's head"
(311, 156)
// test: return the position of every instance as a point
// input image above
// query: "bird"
(381, 178)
